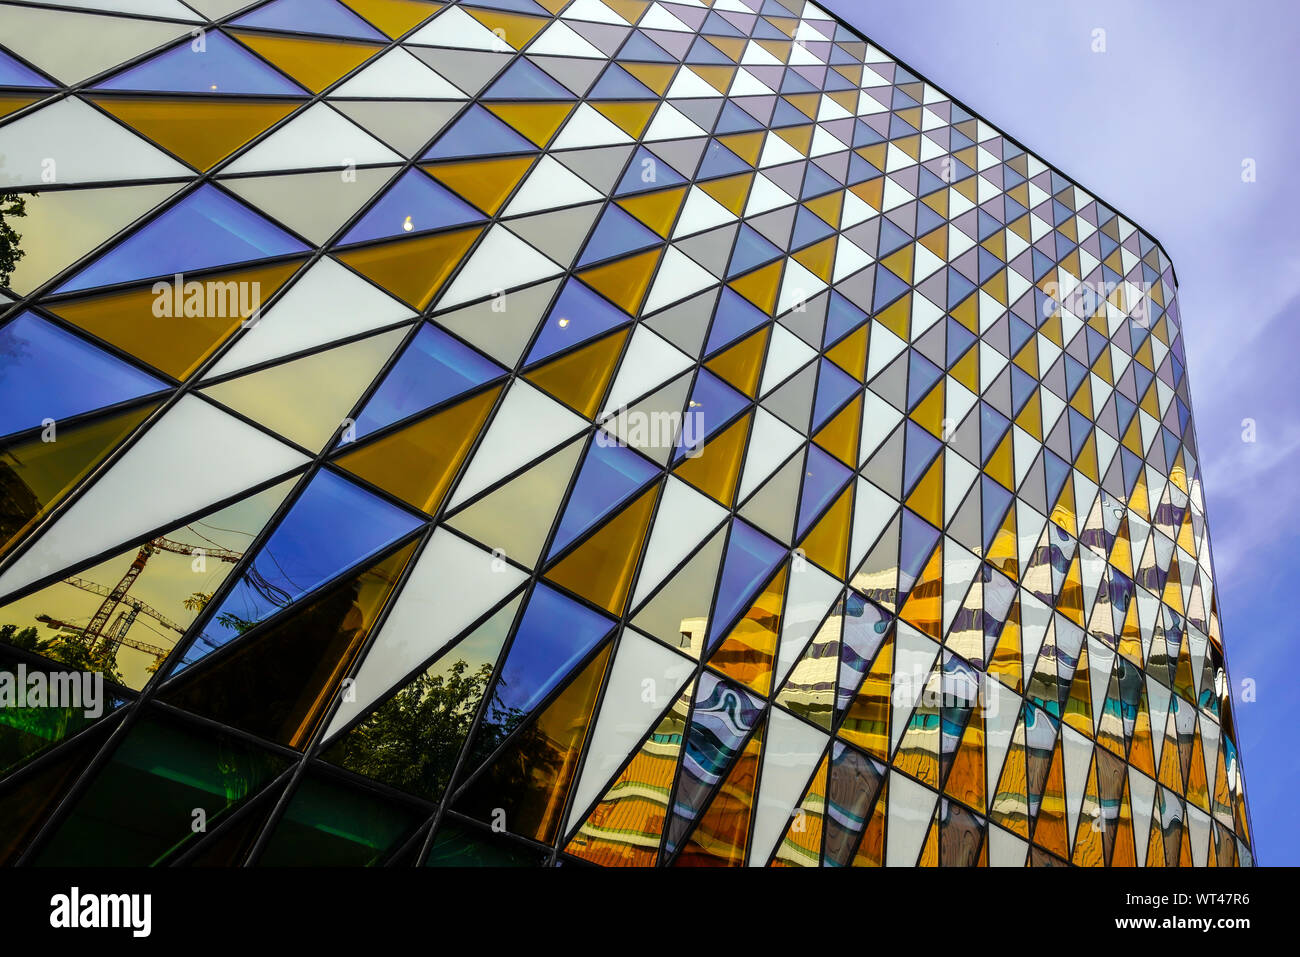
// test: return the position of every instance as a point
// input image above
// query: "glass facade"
(522, 432)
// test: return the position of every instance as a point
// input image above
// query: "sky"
(1158, 125)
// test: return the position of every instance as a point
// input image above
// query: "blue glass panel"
(641, 47)
(715, 25)
(751, 250)
(414, 203)
(646, 172)
(921, 449)
(735, 120)
(1023, 385)
(723, 716)
(1057, 471)
(921, 375)
(433, 368)
(223, 66)
(617, 234)
(47, 372)
(617, 84)
(842, 317)
(817, 181)
(207, 228)
(735, 317)
(713, 404)
(751, 558)
(332, 526)
(888, 288)
(311, 16)
(823, 479)
(959, 340)
(477, 133)
(554, 635)
(891, 238)
(610, 474)
(793, 82)
(14, 73)
(993, 505)
(584, 314)
(993, 425)
(720, 161)
(526, 81)
(918, 539)
(787, 115)
(704, 52)
(959, 287)
(834, 386)
(861, 635)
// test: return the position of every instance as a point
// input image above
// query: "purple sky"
(1158, 126)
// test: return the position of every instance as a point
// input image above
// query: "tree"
(12, 206)
(413, 739)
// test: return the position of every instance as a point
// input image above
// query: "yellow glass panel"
(715, 470)
(742, 364)
(657, 76)
(722, 833)
(601, 568)
(733, 48)
(746, 654)
(730, 191)
(748, 146)
(924, 605)
(840, 435)
(630, 117)
(928, 413)
(1010, 802)
(800, 137)
(418, 462)
(624, 829)
(718, 77)
(805, 103)
(580, 378)
(537, 121)
(1006, 662)
(624, 282)
(197, 320)
(818, 258)
(1050, 831)
(485, 182)
(966, 777)
(395, 17)
(897, 318)
(760, 286)
(515, 28)
(871, 851)
(36, 474)
(13, 102)
(531, 778)
(872, 192)
(801, 846)
(658, 210)
(999, 466)
(827, 542)
(413, 270)
(200, 130)
(866, 724)
(315, 64)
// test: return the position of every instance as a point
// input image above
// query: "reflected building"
(609, 432)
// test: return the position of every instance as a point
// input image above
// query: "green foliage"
(12, 206)
(412, 740)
